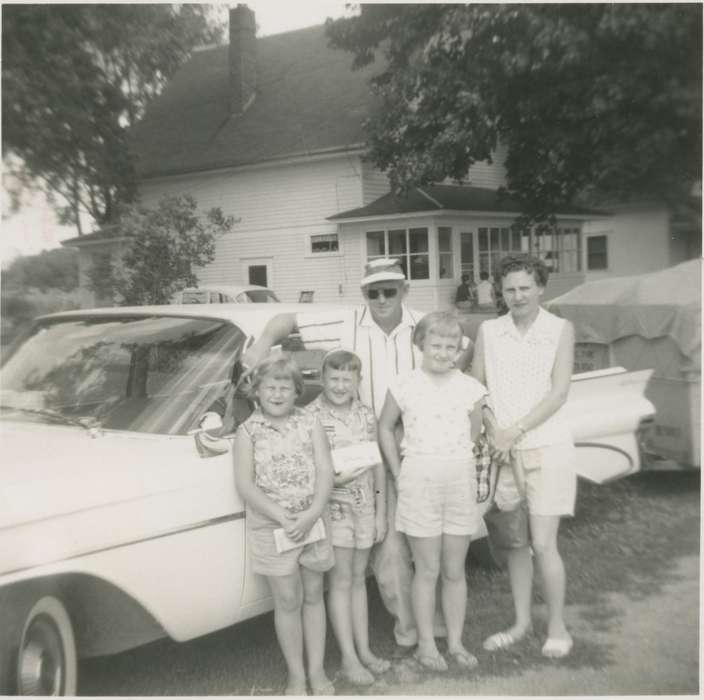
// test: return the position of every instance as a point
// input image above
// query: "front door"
(258, 271)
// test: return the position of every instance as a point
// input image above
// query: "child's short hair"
(342, 359)
(445, 323)
(526, 263)
(280, 366)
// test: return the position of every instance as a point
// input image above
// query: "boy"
(357, 513)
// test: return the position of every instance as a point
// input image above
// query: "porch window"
(409, 246)
(597, 253)
(445, 258)
(558, 247)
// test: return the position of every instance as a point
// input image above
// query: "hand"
(252, 357)
(380, 527)
(301, 525)
(503, 438)
(341, 479)
(285, 519)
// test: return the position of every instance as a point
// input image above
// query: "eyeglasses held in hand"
(389, 293)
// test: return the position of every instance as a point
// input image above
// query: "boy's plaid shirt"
(482, 458)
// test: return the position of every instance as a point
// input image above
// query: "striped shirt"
(383, 356)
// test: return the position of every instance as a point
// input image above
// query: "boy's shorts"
(551, 480)
(316, 556)
(437, 496)
(351, 527)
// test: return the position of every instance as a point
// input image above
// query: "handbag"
(483, 459)
(507, 529)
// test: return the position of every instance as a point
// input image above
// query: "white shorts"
(437, 496)
(551, 480)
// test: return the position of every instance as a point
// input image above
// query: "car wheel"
(44, 660)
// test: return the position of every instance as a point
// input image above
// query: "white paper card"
(361, 454)
(284, 542)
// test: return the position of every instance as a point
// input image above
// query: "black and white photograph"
(351, 349)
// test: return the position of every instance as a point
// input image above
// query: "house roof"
(308, 101)
(107, 233)
(436, 198)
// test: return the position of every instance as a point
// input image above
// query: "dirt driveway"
(652, 646)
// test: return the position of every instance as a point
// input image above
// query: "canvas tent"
(647, 321)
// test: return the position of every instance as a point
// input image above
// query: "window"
(326, 243)
(445, 259)
(157, 374)
(597, 253)
(410, 246)
(558, 246)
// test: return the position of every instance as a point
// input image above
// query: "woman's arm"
(243, 460)
(555, 398)
(387, 422)
(478, 371)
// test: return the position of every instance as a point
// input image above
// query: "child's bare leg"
(287, 592)
(314, 627)
(342, 615)
(426, 556)
(454, 592)
(360, 613)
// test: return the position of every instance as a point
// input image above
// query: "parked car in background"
(114, 529)
(225, 294)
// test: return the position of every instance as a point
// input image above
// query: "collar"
(408, 319)
(324, 407)
(258, 418)
(537, 329)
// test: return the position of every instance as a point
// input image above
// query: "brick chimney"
(243, 59)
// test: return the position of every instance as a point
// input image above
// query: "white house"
(270, 130)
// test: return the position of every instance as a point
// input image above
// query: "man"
(381, 333)
(464, 297)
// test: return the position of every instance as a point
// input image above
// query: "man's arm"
(275, 331)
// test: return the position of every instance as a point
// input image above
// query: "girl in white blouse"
(436, 479)
(525, 358)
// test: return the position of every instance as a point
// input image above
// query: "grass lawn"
(624, 538)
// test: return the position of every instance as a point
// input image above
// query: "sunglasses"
(388, 293)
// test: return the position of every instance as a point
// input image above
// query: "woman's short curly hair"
(521, 261)
(279, 367)
(445, 323)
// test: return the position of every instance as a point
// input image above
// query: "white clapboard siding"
(276, 210)
(375, 184)
(492, 175)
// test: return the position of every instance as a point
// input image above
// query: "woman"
(525, 360)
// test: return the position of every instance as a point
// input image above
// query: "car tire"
(39, 649)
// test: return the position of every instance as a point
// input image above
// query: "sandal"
(431, 662)
(555, 648)
(377, 665)
(464, 659)
(502, 640)
(327, 689)
(359, 676)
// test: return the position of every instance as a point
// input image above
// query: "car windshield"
(261, 295)
(194, 298)
(151, 375)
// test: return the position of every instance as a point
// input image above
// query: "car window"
(194, 297)
(309, 362)
(261, 296)
(243, 298)
(151, 375)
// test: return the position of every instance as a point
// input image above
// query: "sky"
(34, 228)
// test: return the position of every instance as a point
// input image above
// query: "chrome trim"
(240, 515)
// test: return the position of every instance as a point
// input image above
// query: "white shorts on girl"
(437, 496)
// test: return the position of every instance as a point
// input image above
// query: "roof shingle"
(308, 100)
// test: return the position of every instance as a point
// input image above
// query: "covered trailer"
(650, 321)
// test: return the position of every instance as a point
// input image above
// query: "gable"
(308, 100)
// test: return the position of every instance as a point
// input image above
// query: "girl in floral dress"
(283, 471)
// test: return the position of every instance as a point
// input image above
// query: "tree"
(164, 245)
(50, 269)
(589, 99)
(74, 79)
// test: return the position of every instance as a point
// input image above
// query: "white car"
(225, 294)
(114, 531)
